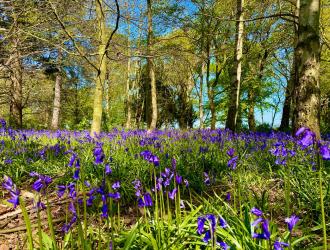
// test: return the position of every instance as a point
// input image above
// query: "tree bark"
(234, 98)
(251, 119)
(288, 102)
(307, 56)
(252, 91)
(286, 111)
(210, 87)
(101, 74)
(57, 96)
(200, 94)
(128, 81)
(16, 76)
(185, 112)
(151, 70)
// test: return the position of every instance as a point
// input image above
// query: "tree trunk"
(128, 81)
(251, 119)
(200, 95)
(57, 96)
(286, 111)
(190, 111)
(234, 97)
(16, 109)
(307, 56)
(210, 90)
(288, 102)
(151, 71)
(252, 91)
(101, 74)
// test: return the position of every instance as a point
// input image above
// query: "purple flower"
(200, 224)
(8, 161)
(265, 235)
(116, 185)
(148, 156)
(257, 221)
(213, 221)
(146, 201)
(77, 163)
(173, 163)
(291, 222)
(155, 160)
(232, 163)
(72, 190)
(104, 206)
(231, 152)
(228, 196)
(223, 245)
(98, 154)
(280, 245)
(178, 179)
(256, 211)
(72, 159)
(207, 236)
(186, 182)
(61, 190)
(90, 200)
(107, 169)
(300, 131)
(76, 174)
(72, 209)
(40, 205)
(7, 183)
(172, 194)
(325, 152)
(66, 227)
(206, 179)
(14, 199)
(307, 137)
(222, 222)
(42, 183)
(115, 195)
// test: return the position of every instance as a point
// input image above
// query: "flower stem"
(27, 223)
(322, 206)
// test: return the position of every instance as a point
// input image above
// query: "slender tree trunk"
(251, 119)
(210, 90)
(77, 104)
(189, 116)
(16, 115)
(288, 102)
(200, 94)
(57, 96)
(252, 91)
(151, 69)
(101, 74)
(286, 111)
(128, 81)
(307, 56)
(234, 98)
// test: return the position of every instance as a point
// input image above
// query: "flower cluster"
(148, 156)
(232, 162)
(210, 231)
(306, 137)
(41, 184)
(144, 199)
(9, 185)
(264, 229)
(265, 233)
(98, 154)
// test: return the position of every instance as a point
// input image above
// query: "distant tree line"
(150, 64)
